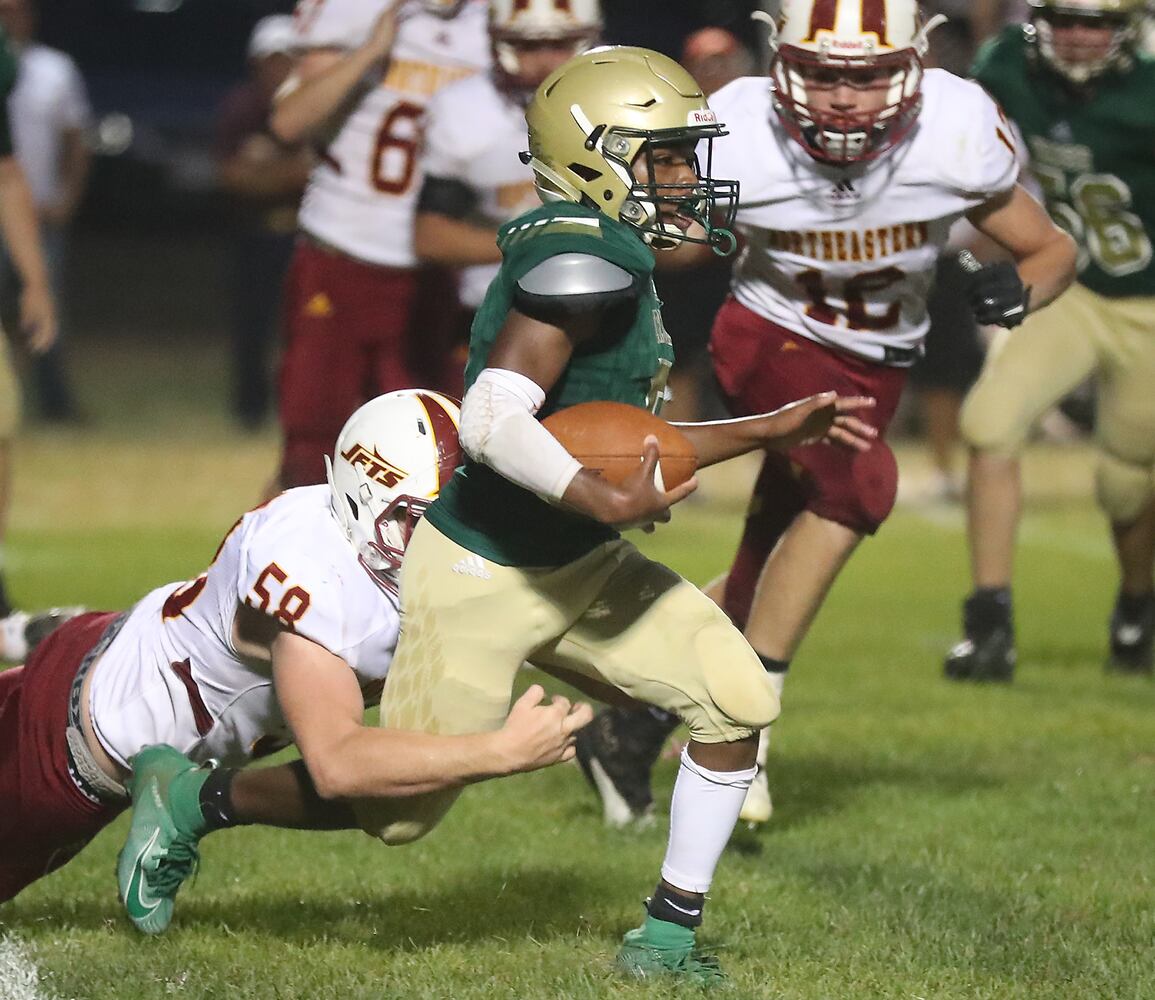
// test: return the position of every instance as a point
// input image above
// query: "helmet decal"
(443, 427)
(374, 466)
(392, 458)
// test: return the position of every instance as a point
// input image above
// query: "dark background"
(150, 251)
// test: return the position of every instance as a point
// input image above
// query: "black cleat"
(1132, 635)
(987, 653)
(617, 752)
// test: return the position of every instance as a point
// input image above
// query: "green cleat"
(161, 849)
(659, 949)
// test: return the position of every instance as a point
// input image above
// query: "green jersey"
(8, 72)
(1093, 152)
(481, 509)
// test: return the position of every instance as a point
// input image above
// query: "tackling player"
(520, 558)
(475, 129)
(853, 163)
(1074, 83)
(366, 70)
(286, 637)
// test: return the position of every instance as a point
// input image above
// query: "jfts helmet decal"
(374, 466)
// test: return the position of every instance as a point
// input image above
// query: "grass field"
(929, 840)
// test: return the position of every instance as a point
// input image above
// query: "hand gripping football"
(607, 438)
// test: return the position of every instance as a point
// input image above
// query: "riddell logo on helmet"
(374, 466)
(706, 117)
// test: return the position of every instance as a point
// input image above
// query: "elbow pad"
(499, 429)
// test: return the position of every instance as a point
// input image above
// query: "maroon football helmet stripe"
(822, 17)
(444, 436)
(874, 19)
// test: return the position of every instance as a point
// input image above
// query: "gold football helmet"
(590, 120)
(1124, 16)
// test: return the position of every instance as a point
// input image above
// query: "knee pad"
(403, 820)
(860, 493)
(990, 424)
(742, 699)
(744, 695)
(1122, 488)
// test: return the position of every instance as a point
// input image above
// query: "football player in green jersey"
(520, 559)
(21, 234)
(1083, 97)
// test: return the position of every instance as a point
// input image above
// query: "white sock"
(703, 812)
(778, 683)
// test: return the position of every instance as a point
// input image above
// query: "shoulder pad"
(571, 283)
(569, 274)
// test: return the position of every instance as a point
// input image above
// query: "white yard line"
(19, 974)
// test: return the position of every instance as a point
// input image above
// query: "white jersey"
(473, 134)
(173, 675)
(846, 255)
(48, 101)
(362, 194)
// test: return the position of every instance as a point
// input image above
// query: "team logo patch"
(374, 466)
(319, 306)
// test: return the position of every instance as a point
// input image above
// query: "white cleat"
(757, 808)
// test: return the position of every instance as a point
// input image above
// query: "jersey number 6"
(395, 152)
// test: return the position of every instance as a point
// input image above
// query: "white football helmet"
(518, 21)
(393, 456)
(852, 35)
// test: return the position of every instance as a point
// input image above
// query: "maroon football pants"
(761, 366)
(346, 328)
(45, 819)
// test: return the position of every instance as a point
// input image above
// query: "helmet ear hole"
(585, 172)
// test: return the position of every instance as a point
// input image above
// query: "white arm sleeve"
(499, 429)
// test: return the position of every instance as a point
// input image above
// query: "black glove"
(996, 292)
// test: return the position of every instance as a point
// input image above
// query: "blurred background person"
(691, 298)
(265, 178)
(475, 129)
(364, 75)
(37, 312)
(1082, 93)
(953, 350)
(50, 117)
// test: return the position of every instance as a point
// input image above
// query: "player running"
(520, 558)
(1078, 89)
(854, 162)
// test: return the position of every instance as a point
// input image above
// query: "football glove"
(997, 294)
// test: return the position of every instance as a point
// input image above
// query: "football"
(607, 438)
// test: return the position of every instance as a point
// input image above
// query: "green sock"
(667, 936)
